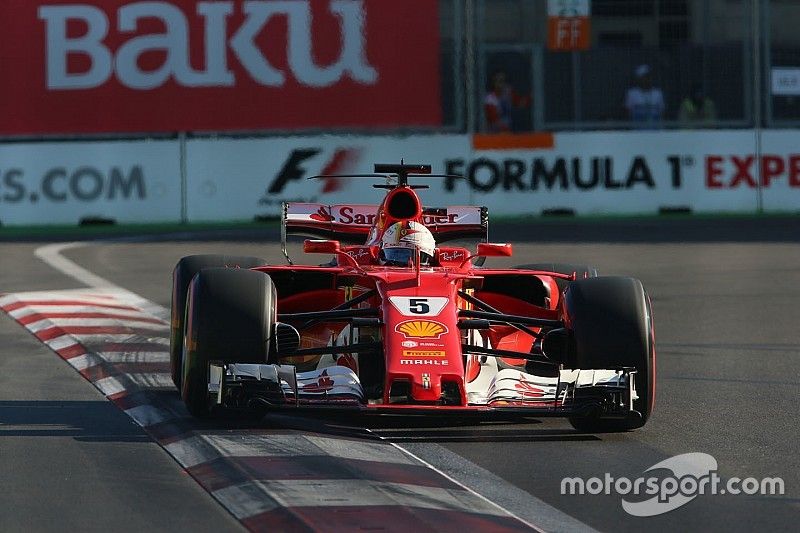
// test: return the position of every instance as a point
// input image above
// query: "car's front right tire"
(182, 275)
(229, 318)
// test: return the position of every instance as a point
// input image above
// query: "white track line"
(148, 415)
(51, 254)
(121, 314)
(152, 380)
(110, 386)
(132, 323)
(135, 357)
(292, 445)
(529, 509)
(467, 474)
(82, 362)
(62, 342)
(100, 296)
(355, 493)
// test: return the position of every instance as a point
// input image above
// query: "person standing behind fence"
(697, 109)
(499, 104)
(644, 103)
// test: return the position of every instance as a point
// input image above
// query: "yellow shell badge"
(421, 329)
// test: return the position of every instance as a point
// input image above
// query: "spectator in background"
(500, 102)
(697, 108)
(644, 103)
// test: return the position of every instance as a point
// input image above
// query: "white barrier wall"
(781, 163)
(611, 172)
(590, 173)
(62, 183)
(238, 179)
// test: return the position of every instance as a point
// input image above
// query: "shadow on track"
(425, 429)
(87, 421)
(399, 428)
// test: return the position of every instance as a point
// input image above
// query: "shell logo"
(421, 329)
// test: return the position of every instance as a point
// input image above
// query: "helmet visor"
(398, 256)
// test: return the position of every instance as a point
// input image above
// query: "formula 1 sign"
(89, 66)
(585, 172)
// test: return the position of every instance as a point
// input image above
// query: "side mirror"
(316, 246)
(494, 249)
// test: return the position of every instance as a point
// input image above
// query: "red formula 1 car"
(438, 333)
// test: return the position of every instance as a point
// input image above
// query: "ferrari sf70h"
(438, 333)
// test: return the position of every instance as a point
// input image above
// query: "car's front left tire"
(611, 323)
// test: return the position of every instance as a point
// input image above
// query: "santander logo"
(323, 214)
(220, 37)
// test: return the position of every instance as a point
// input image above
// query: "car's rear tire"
(230, 316)
(182, 275)
(611, 323)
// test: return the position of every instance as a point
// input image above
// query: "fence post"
(184, 178)
(757, 96)
(469, 65)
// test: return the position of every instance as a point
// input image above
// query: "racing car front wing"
(609, 393)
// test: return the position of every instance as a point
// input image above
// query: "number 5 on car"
(418, 305)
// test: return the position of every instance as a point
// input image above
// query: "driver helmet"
(402, 239)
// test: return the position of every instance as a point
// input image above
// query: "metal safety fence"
(713, 63)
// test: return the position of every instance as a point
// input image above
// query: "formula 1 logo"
(294, 169)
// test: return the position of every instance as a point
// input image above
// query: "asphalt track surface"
(725, 296)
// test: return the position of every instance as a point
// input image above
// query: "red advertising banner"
(97, 66)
